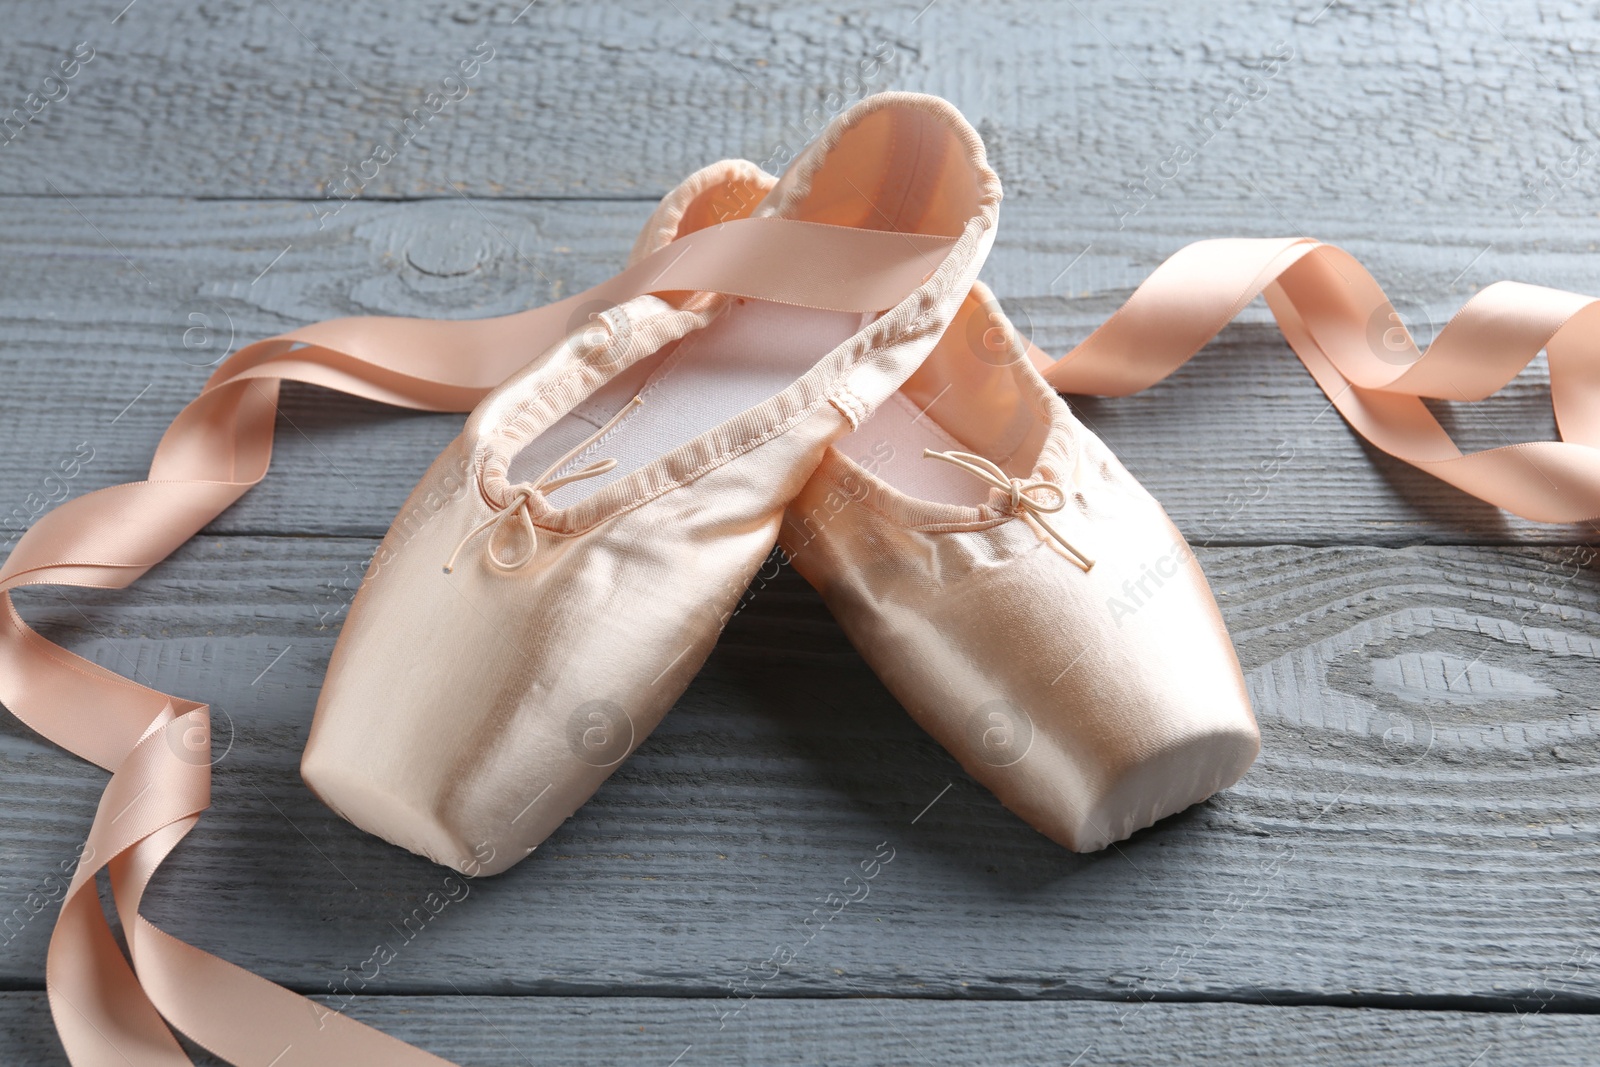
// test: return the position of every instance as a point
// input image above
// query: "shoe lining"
(749, 354)
(889, 445)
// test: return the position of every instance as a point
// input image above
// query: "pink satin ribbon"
(1326, 304)
(110, 1013)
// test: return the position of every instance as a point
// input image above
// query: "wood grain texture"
(582, 1031)
(1383, 106)
(1419, 831)
(112, 309)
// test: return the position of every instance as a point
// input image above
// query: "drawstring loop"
(1024, 500)
(521, 504)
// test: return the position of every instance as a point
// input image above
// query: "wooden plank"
(581, 1031)
(1364, 108)
(1420, 829)
(110, 317)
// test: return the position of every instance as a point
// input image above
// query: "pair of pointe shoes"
(837, 381)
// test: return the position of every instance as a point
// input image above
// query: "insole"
(890, 445)
(752, 352)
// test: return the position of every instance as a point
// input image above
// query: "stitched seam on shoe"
(994, 517)
(853, 407)
(711, 463)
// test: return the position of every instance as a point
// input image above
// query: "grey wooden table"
(1407, 874)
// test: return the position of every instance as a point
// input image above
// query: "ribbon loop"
(1338, 321)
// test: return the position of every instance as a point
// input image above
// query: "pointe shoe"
(1177, 744)
(604, 509)
(1024, 598)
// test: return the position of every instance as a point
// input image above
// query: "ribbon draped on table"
(106, 1011)
(1325, 302)
(112, 1009)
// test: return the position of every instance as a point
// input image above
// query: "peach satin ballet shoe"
(1025, 599)
(1093, 702)
(562, 570)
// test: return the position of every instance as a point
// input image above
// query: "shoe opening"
(973, 394)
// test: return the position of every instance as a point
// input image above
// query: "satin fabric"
(465, 716)
(1325, 302)
(1091, 701)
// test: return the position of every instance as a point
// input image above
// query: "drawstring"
(1022, 498)
(542, 484)
(518, 505)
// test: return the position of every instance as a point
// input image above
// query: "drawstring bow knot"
(522, 499)
(1024, 496)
